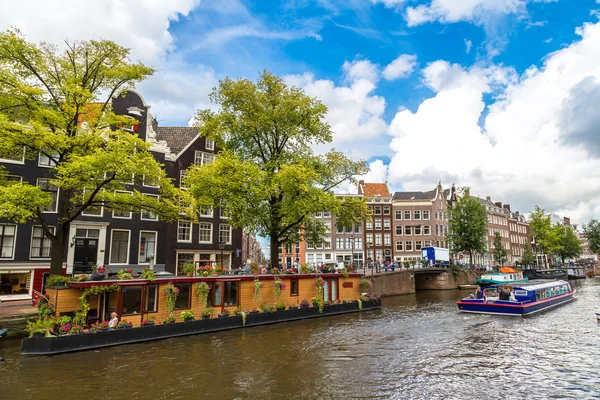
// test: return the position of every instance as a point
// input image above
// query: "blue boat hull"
(501, 307)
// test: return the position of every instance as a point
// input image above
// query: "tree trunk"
(274, 238)
(59, 249)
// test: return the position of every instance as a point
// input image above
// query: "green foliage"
(41, 325)
(364, 284)
(345, 273)
(45, 309)
(243, 314)
(279, 287)
(169, 319)
(57, 280)
(80, 317)
(258, 285)
(318, 302)
(189, 268)
(207, 312)
(267, 177)
(99, 289)
(592, 233)
(541, 230)
(58, 103)
(468, 226)
(528, 257)
(202, 290)
(565, 244)
(171, 293)
(148, 274)
(499, 251)
(186, 315)
(280, 306)
(124, 274)
(359, 301)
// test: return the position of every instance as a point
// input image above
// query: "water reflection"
(417, 346)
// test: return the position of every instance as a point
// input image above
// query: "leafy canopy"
(267, 177)
(468, 226)
(499, 252)
(592, 233)
(56, 104)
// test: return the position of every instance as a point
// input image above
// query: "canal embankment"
(409, 281)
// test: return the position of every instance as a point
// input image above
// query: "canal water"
(416, 346)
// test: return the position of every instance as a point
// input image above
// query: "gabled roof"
(373, 189)
(177, 137)
(412, 196)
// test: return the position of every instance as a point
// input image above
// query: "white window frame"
(142, 210)
(407, 213)
(129, 182)
(57, 196)
(93, 215)
(51, 164)
(428, 215)
(200, 159)
(182, 175)
(14, 246)
(9, 161)
(230, 233)
(396, 212)
(200, 232)
(128, 246)
(207, 215)
(144, 184)
(208, 141)
(10, 178)
(191, 232)
(140, 262)
(401, 243)
(130, 211)
(31, 256)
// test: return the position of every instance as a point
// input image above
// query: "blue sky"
(498, 95)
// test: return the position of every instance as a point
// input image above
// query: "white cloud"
(401, 67)
(390, 3)
(538, 142)
(354, 113)
(361, 69)
(448, 11)
(141, 25)
(468, 45)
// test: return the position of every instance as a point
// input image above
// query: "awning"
(24, 271)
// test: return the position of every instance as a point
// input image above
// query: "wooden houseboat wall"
(226, 293)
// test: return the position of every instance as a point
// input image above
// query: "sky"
(497, 95)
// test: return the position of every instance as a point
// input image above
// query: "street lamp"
(352, 256)
(222, 247)
(369, 244)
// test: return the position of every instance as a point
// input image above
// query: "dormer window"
(135, 111)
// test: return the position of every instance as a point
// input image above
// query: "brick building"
(420, 220)
(378, 232)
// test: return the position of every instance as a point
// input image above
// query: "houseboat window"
(218, 293)
(152, 298)
(231, 293)
(520, 293)
(293, 287)
(183, 299)
(132, 300)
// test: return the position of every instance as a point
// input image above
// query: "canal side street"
(416, 346)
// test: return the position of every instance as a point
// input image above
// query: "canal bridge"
(432, 278)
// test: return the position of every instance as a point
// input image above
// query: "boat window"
(132, 300)
(183, 298)
(520, 293)
(231, 293)
(152, 298)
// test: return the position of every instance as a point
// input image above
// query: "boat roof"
(542, 285)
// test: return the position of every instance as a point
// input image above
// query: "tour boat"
(505, 276)
(529, 299)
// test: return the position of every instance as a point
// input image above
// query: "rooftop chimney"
(498, 204)
(507, 206)
(488, 198)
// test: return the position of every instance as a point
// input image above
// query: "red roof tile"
(374, 189)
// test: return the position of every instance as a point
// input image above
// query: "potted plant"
(224, 313)
(207, 312)
(305, 269)
(187, 316)
(99, 327)
(293, 307)
(125, 274)
(57, 281)
(279, 287)
(82, 278)
(97, 276)
(258, 285)
(148, 274)
(189, 269)
(327, 303)
(217, 270)
(202, 290)
(171, 293)
(253, 311)
(280, 306)
(149, 321)
(124, 325)
(169, 319)
(364, 284)
(254, 268)
(304, 304)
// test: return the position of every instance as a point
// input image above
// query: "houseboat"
(545, 274)
(175, 306)
(505, 276)
(526, 299)
(576, 272)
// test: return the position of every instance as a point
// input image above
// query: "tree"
(592, 233)
(468, 226)
(58, 104)
(499, 251)
(566, 243)
(541, 230)
(267, 177)
(528, 257)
